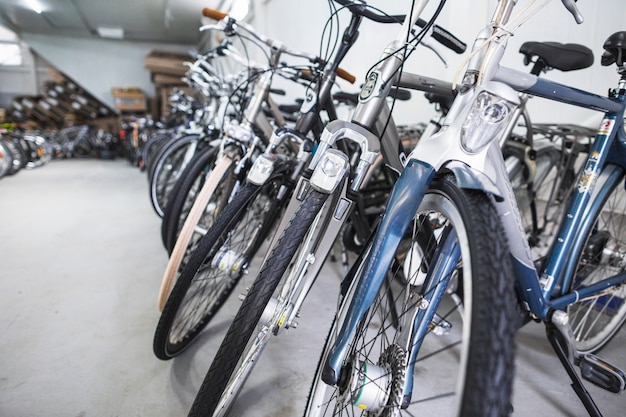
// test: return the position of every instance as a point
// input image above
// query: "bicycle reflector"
(261, 170)
(329, 171)
(488, 117)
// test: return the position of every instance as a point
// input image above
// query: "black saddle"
(564, 57)
(615, 49)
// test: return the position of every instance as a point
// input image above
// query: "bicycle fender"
(470, 178)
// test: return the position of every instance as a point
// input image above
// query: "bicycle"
(224, 93)
(243, 141)
(319, 209)
(452, 227)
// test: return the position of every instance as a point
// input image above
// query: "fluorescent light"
(112, 33)
(34, 6)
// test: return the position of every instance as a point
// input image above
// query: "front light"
(261, 170)
(488, 116)
(329, 171)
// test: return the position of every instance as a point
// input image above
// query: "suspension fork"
(405, 198)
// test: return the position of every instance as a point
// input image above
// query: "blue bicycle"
(442, 287)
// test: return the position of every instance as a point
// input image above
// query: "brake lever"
(428, 42)
(570, 5)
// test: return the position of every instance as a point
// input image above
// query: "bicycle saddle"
(564, 57)
(615, 47)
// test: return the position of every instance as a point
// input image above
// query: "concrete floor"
(80, 266)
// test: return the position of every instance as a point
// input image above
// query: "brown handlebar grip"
(342, 73)
(213, 14)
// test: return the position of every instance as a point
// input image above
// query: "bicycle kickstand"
(557, 330)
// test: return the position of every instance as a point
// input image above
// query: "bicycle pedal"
(602, 373)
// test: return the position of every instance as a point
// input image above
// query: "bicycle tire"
(184, 193)
(246, 336)
(213, 195)
(481, 334)
(595, 320)
(6, 159)
(215, 267)
(168, 168)
(151, 148)
(17, 154)
(155, 152)
(535, 182)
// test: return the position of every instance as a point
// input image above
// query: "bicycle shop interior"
(84, 83)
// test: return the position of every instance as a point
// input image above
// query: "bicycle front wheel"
(214, 268)
(260, 315)
(596, 319)
(461, 361)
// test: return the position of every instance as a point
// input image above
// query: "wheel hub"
(227, 260)
(377, 388)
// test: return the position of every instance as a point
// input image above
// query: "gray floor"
(80, 267)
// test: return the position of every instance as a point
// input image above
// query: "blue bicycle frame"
(485, 171)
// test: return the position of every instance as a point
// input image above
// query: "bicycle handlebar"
(570, 5)
(213, 14)
(219, 15)
(441, 35)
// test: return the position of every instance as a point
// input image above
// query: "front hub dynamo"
(377, 388)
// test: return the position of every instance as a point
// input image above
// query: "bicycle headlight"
(261, 170)
(487, 118)
(329, 171)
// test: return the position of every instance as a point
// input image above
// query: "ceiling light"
(112, 33)
(34, 6)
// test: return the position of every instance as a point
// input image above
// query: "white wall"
(300, 23)
(99, 64)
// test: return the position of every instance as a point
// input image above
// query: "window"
(10, 49)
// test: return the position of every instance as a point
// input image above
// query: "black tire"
(17, 153)
(474, 322)
(247, 336)
(151, 149)
(6, 159)
(183, 195)
(168, 168)
(595, 320)
(213, 269)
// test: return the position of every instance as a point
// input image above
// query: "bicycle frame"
(484, 169)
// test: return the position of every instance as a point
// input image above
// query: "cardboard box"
(170, 63)
(129, 99)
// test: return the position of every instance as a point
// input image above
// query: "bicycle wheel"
(214, 268)
(259, 316)
(462, 364)
(168, 168)
(184, 193)
(595, 320)
(536, 178)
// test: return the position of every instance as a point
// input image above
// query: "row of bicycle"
(26, 149)
(453, 233)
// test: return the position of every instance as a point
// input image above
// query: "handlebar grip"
(213, 14)
(342, 73)
(448, 40)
